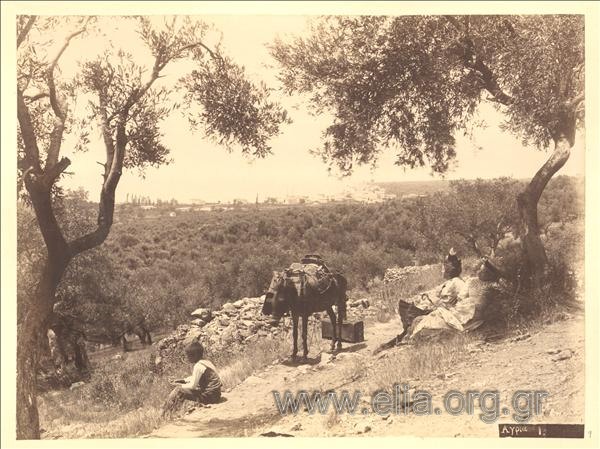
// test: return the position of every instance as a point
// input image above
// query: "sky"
(202, 170)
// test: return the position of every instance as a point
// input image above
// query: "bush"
(230, 255)
(521, 304)
(128, 240)
(368, 263)
(133, 262)
(101, 389)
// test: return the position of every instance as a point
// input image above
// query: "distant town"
(363, 193)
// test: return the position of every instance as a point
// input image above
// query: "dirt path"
(524, 363)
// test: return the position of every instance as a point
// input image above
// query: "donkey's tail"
(342, 307)
(342, 285)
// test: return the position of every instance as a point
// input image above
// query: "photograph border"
(8, 179)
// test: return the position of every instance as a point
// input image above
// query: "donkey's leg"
(340, 321)
(145, 339)
(305, 334)
(141, 336)
(295, 334)
(334, 326)
(125, 343)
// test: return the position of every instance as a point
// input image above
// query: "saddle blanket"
(311, 277)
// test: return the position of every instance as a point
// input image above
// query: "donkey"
(282, 297)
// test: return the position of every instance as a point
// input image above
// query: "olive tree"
(412, 83)
(126, 104)
(474, 215)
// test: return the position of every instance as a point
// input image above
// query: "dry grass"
(388, 295)
(333, 419)
(124, 397)
(128, 388)
(252, 358)
(417, 362)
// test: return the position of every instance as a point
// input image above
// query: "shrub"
(133, 262)
(101, 389)
(520, 303)
(127, 240)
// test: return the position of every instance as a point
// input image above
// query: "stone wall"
(230, 328)
(399, 274)
(241, 322)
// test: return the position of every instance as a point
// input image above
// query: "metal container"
(352, 332)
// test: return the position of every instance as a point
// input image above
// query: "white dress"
(457, 303)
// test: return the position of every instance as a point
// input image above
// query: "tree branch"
(489, 81)
(37, 96)
(54, 144)
(25, 31)
(574, 102)
(60, 111)
(32, 152)
(52, 173)
(159, 65)
(558, 158)
(115, 152)
(475, 62)
(106, 135)
(106, 206)
(213, 55)
(54, 102)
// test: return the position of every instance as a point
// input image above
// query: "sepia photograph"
(285, 219)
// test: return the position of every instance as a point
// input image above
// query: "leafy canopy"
(474, 215)
(412, 82)
(113, 87)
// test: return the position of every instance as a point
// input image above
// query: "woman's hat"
(452, 265)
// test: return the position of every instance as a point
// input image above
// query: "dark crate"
(352, 332)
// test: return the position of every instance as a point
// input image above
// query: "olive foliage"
(412, 83)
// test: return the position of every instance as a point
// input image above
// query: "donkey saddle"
(310, 275)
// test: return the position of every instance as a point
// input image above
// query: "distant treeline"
(414, 187)
(164, 266)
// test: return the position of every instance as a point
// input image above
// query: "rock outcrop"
(227, 329)
(241, 322)
(399, 274)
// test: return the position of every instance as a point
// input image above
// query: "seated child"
(203, 386)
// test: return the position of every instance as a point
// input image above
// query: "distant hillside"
(403, 188)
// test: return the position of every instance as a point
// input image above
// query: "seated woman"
(203, 386)
(459, 305)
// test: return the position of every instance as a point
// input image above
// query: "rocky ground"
(549, 359)
(546, 356)
(241, 322)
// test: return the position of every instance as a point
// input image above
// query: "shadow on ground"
(297, 361)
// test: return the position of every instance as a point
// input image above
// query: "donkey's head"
(276, 301)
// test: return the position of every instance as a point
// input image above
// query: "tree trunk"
(475, 247)
(38, 310)
(29, 333)
(527, 202)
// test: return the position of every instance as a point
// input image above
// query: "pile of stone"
(234, 325)
(241, 322)
(361, 309)
(399, 274)
(236, 322)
